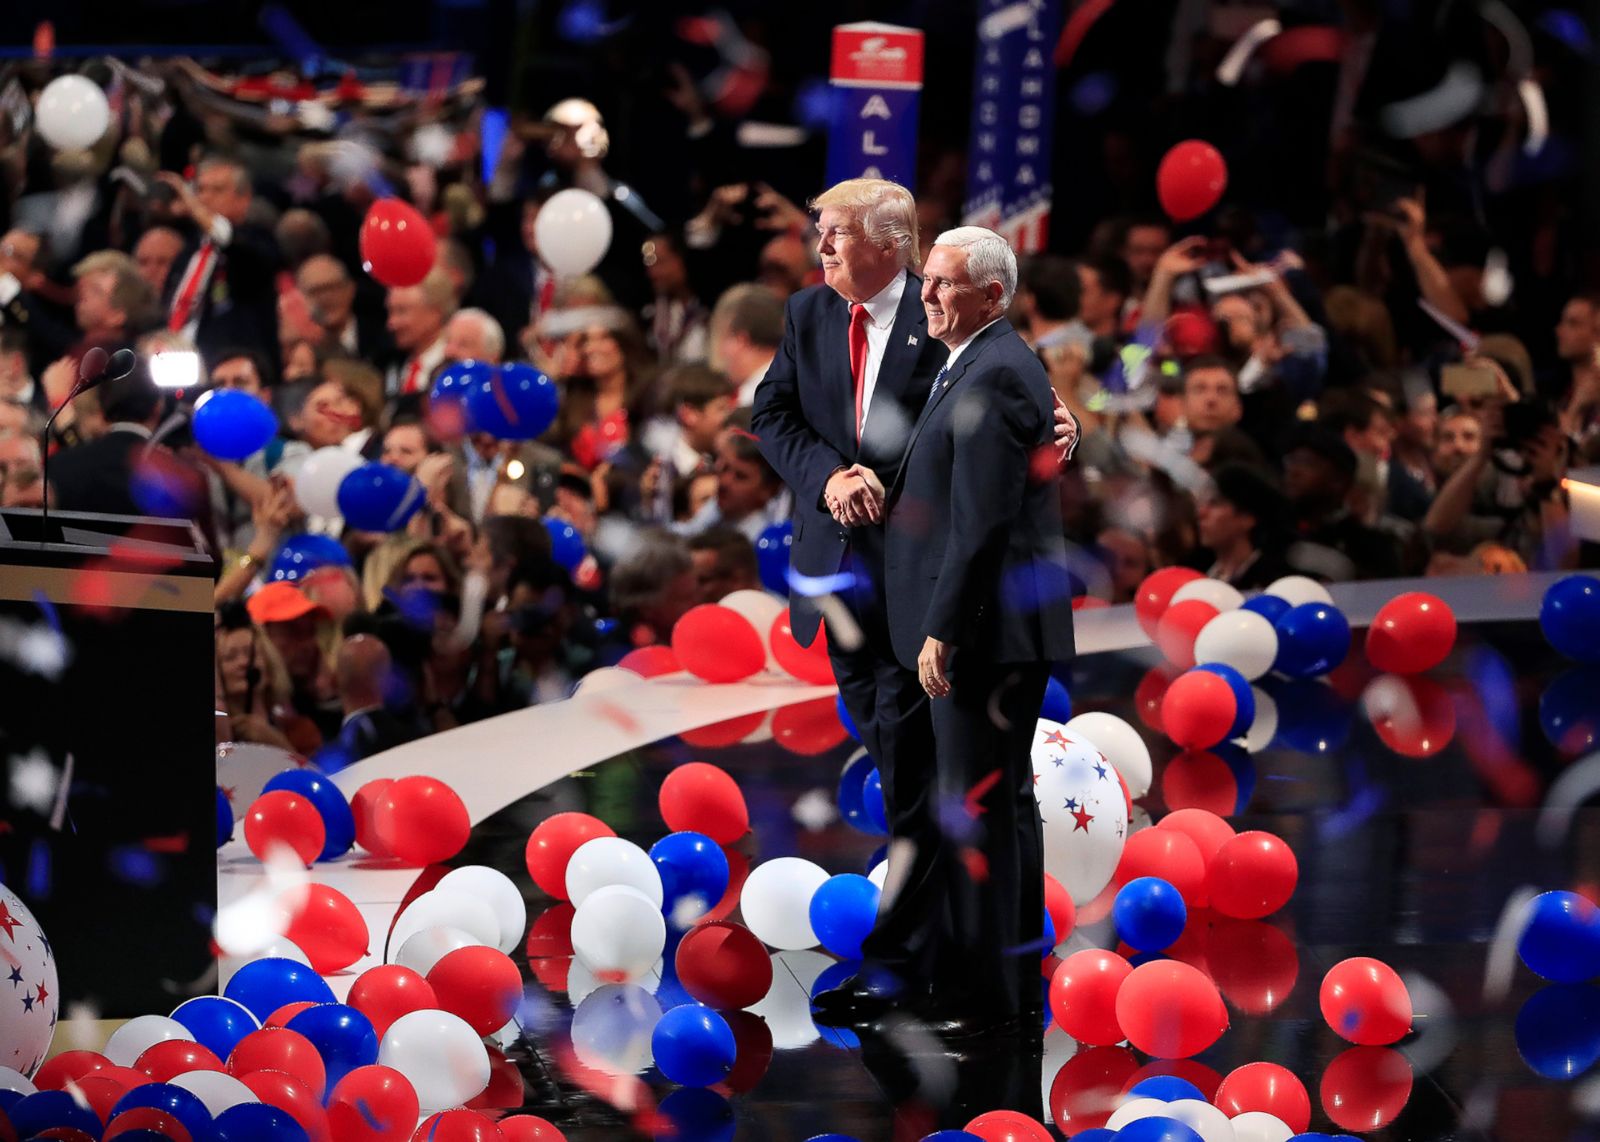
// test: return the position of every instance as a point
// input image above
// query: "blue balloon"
(224, 818)
(1313, 638)
(1057, 705)
(514, 402)
(217, 1024)
(1149, 914)
(831, 1138)
(1095, 1134)
(1558, 1030)
(852, 796)
(343, 1036)
(1244, 702)
(1570, 617)
(1562, 939)
(873, 804)
(1157, 1130)
(232, 425)
(1312, 718)
(772, 556)
(693, 1045)
(1270, 607)
(258, 1122)
(843, 910)
(263, 986)
(10, 1098)
(1168, 1088)
(690, 864)
(951, 1136)
(38, 1112)
(697, 1115)
(174, 1100)
(379, 497)
(456, 382)
(324, 795)
(845, 719)
(1567, 711)
(302, 554)
(566, 545)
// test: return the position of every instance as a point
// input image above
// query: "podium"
(107, 747)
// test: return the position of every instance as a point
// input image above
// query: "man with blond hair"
(417, 318)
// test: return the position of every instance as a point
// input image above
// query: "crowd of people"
(1247, 409)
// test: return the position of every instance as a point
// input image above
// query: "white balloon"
(787, 1006)
(759, 609)
(1297, 589)
(26, 1029)
(618, 933)
(139, 1034)
(217, 1090)
(1259, 1126)
(495, 889)
(425, 948)
(1241, 639)
(1135, 1109)
(611, 860)
(72, 112)
(17, 1081)
(1265, 726)
(879, 873)
(1203, 1118)
(1080, 802)
(435, 909)
(611, 1028)
(1223, 596)
(603, 679)
(316, 484)
(440, 1054)
(573, 231)
(1121, 744)
(776, 902)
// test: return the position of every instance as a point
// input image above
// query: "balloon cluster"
(747, 632)
(371, 496)
(513, 401)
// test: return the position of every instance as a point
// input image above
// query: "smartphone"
(1469, 382)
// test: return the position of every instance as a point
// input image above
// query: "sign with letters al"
(876, 82)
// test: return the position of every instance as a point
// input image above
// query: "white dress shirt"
(881, 308)
(950, 361)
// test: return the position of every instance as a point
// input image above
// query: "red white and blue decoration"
(27, 987)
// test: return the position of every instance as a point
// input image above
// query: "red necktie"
(858, 358)
(188, 296)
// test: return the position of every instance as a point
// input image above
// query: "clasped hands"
(855, 496)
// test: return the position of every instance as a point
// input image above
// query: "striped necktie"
(938, 383)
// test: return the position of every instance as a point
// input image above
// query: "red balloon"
(529, 1128)
(650, 661)
(1208, 831)
(719, 735)
(1199, 709)
(1063, 911)
(1366, 1088)
(1088, 1088)
(421, 820)
(700, 797)
(1168, 855)
(1364, 1001)
(328, 929)
(1171, 1010)
(69, 1066)
(1083, 996)
(397, 244)
(1150, 693)
(752, 1040)
(280, 1049)
(1190, 180)
(738, 873)
(165, 1061)
(362, 806)
(147, 1118)
(457, 1126)
(479, 984)
(1152, 597)
(1008, 1126)
(550, 934)
(1197, 779)
(809, 728)
(552, 843)
(1180, 625)
(807, 663)
(102, 1094)
(283, 819)
(723, 965)
(1269, 1088)
(281, 1017)
(293, 1097)
(1254, 964)
(505, 1090)
(717, 644)
(1415, 717)
(373, 1104)
(386, 992)
(127, 1076)
(1411, 633)
(1253, 875)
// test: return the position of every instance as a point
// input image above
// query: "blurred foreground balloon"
(397, 244)
(231, 425)
(28, 1019)
(379, 497)
(573, 231)
(1190, 180)
(514, 402)
(1570, 617)
(72, 112)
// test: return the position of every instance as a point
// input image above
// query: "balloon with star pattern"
(1082, 810)
(27, 987)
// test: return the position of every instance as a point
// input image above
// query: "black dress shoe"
(849, 1004)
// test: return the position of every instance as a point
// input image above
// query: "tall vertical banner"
(876, 82)
(1013, 112)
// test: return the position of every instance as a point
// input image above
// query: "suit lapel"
(968, 355)
(840, 383)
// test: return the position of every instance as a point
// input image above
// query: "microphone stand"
(44, 460)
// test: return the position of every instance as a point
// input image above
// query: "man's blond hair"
(129, 291)
(886, 211)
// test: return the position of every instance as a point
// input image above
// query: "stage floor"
(1413, 860)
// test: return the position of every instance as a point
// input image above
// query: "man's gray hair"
(494, 338)
(989, 258)
(886, 211)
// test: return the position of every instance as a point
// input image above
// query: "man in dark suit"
(979, 606)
